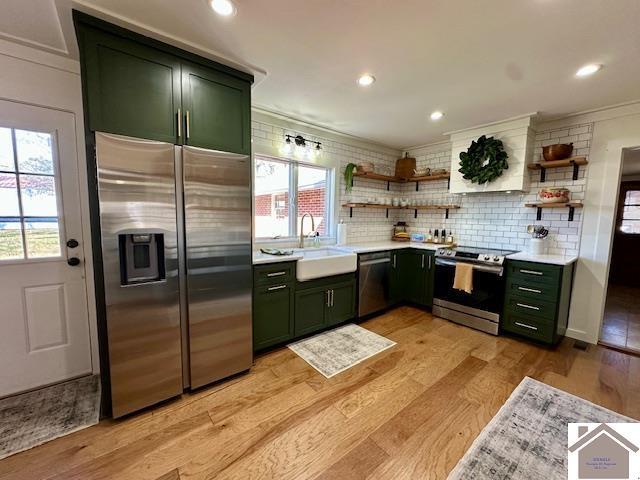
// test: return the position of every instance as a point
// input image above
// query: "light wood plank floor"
(410, 412)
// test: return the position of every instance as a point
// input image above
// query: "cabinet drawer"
(516, 286)
(532, 308)
(528, 327)
(534, 273)
(282, 272)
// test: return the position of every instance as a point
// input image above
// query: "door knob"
(73, 261)
(72, 243)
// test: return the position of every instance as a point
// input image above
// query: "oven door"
(488, 286)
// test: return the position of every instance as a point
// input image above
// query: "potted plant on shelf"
(348, 176)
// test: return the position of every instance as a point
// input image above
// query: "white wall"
(38, 78)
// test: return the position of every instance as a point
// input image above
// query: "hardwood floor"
(409, 412)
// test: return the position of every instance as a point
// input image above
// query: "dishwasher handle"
(376, 261)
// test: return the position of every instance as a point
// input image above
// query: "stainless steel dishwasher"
(373, 291)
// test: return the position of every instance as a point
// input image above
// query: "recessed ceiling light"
(226, 8)
(366, 80)
(437, 115)
(588, 70)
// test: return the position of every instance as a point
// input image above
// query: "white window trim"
(330, 199)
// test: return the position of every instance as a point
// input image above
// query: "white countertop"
(551, 259)
(260, 258)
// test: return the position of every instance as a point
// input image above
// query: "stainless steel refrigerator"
(176, 247)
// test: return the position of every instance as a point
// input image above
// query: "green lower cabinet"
(324, 303)
(412, 276)
(537, 299)
(310, 310)
(272, 315)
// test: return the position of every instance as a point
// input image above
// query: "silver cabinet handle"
(328, 292)
(331, 298)
(394, 260)
(532, 290)
(276, 274)
(279, 287)
(530, 327)
(188, 126)
(429, 262)
(530, 307)
(422, 261)
(179, 124)
(531, 272)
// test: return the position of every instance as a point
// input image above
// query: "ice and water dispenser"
(141, 258)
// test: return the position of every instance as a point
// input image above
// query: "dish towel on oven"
(464, 277)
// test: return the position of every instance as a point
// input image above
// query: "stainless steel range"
(481, 308)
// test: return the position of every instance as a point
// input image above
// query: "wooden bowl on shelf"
(558, 151)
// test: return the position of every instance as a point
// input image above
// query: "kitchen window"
(29, 223)
(284, 191)
(630, 212)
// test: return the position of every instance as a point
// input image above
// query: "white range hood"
(517, 136)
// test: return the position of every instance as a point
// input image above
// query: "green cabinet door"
(310, 310)
(130, 89)
(342, 303)
(217, 109)
(429, 272)
(413, 269)
(397, 284)
(272, 315)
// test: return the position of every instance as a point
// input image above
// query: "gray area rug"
(36, 417)
(337, 350)
(528, 436)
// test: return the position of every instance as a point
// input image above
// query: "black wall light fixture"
(301, 142)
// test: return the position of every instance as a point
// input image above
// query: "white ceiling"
(477, 61)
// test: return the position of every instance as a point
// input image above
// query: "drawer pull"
(532, 272)
(530, 327)
(279, 287)
(533, 290)
(276, 274)
(530, 307)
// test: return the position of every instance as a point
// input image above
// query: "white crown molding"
(39, 56)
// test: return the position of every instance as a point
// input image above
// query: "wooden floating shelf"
(574, 162)
(570, 205)
(415, 208)
(393, 179)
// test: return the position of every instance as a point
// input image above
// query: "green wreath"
(484, 161)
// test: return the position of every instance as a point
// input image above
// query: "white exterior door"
(44, 329)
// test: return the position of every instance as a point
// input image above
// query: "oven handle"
(481, 268)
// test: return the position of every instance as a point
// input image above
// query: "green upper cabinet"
(131, 89)
(139, 87)
(217, 110)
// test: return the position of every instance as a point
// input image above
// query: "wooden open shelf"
(393, 179)
(570, 205)
(574, 162)
(415, 208)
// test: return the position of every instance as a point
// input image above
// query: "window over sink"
(284, 191)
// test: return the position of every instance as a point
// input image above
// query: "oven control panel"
(488, 257)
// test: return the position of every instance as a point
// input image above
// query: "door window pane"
(35, 153)
(10, 240)
(38, 196)
(9, 206)
(271, 198)
(43, 238)
(632, 197)
(6, 150)
(312, 196)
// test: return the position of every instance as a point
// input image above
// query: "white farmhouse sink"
(324, 262)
